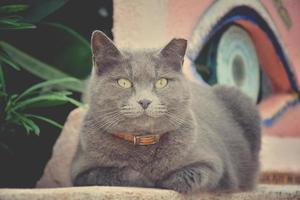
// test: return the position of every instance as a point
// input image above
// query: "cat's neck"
(148, 139)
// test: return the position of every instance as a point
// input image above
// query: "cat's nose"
(144, 103)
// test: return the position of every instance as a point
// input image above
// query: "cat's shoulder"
(232, 95)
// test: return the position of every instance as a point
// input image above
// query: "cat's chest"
(153, 161)
(137, 156)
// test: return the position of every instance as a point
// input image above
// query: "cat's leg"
(199, 176)
(112, 176)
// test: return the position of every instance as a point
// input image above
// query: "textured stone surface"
(266, 192)
(88, 193)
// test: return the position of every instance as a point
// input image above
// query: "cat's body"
(210, 135)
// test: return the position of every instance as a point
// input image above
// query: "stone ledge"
(266, 192)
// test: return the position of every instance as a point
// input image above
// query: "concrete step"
(266, 192)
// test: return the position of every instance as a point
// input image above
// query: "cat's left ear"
(102, 46)
(176, 47)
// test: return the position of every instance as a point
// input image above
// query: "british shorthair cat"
(148, 126)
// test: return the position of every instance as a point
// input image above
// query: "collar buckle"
(145, 139)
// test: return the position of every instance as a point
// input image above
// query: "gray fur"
(212, 134)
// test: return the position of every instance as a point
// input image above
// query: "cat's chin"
(153, 115)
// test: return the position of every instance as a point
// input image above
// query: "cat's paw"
(112, 176)
(135, 178)
(175, 182)
(103, 176)
(87, 178)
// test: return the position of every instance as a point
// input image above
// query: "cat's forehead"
(142, 65)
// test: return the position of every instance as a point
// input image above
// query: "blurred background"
(45, 57)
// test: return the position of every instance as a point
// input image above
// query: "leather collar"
(139, 139)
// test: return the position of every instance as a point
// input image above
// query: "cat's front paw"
(112, 176)
(104, 176)
(87, 178)
(175, 182)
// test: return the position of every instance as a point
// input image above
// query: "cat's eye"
(125, 83)
(161, 83)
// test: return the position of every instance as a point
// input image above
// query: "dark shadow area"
(22, 156)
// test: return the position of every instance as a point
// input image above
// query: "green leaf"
(33, 126)
(67, 50)
(35, 87)
(46, 100)
(49, 121)
(8, 9)
(28, 124)
(41, 9)
(74, 102)
(9, 62)
(38, 68)
(9, 103)
(16, 26)
(9, 21)
(2, 93)
(71, 53)
(2, 81)
(13, 22)
(12, 17)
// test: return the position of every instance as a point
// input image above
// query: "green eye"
(161, 83)
(125, 83)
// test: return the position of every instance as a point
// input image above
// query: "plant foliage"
(16, 106)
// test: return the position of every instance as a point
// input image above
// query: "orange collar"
(138, 139)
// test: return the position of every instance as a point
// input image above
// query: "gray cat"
(147, 126)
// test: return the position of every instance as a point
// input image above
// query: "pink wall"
(182, 17)
(291, 37)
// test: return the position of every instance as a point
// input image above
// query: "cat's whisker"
(113, 123)
(178, 120)
(172, 121)
(106, 120)
(107, 112)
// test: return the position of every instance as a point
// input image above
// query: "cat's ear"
(102, 46)
(176, 47)
(105, 53)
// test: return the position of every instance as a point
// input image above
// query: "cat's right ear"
(103, 46)
(105, 53)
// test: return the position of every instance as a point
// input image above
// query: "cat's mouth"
(143, 114)
(151, 112)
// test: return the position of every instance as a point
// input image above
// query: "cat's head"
(140, 91)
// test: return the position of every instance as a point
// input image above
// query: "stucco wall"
(139, 24)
